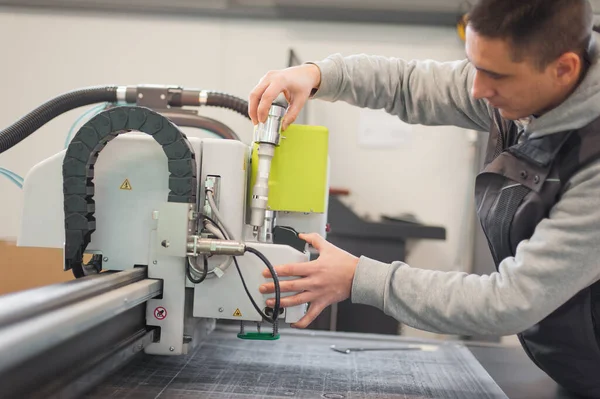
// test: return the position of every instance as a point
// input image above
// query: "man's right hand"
(296, 83)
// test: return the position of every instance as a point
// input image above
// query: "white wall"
(46, 54)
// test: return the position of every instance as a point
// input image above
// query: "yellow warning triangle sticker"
(237, 313)
(126, 185)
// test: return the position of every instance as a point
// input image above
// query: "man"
(532, 80)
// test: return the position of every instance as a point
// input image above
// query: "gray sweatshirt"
(560, 259)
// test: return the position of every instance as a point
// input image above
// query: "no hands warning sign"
(160, 313)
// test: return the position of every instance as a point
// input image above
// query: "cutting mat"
(302, 365)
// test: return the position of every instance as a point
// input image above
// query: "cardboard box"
(22, 268)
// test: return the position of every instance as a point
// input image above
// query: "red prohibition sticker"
(160, 313)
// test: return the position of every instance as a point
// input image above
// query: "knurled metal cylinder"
(207, 246)
(270, 131)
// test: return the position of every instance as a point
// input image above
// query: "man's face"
(517, 89)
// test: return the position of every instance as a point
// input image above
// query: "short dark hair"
(540, 29)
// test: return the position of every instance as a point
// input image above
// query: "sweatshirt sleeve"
(418, 92)
(560, 259)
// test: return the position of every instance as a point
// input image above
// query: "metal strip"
(93, 373)
(203, 97)
(122, 94)
(25, 304)
(24, 340)
(54, 369)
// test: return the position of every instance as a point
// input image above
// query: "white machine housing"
(133, 219)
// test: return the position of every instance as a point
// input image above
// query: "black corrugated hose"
(37, 118)
(217, 99)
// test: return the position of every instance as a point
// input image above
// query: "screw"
(105, 259)
(165, 243)
(276, 328)
(221, 310)
(155, 262)
(536, 179)
(172, 349)
(141, 95)
(162, 96)
(523, 174)
(187, 339)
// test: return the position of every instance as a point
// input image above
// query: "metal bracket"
(154, 97)
(173, 229)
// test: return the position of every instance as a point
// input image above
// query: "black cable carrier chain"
(82, 154)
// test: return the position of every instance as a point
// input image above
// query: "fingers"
(314, 239)
(314, 310)
(293, 111)
(295, 106)
(254, 99)
(269, 95)
(296, 285)
(294, 300)
(291, 270)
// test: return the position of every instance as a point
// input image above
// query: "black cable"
(216, 225)
(275, 279)
(189, 272)
(263, 315)
(271, 269)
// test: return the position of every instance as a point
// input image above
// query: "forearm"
(557, 262)
(441, 302)
(418, 92)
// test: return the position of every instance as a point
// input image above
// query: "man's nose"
(481, 89)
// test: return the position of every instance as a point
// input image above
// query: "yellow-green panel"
(298, 171)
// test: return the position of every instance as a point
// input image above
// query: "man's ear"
(567, 68)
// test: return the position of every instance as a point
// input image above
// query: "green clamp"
(256, 336)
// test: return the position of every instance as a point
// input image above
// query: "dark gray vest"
(517, 188)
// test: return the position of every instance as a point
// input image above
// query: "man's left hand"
(324, 281)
